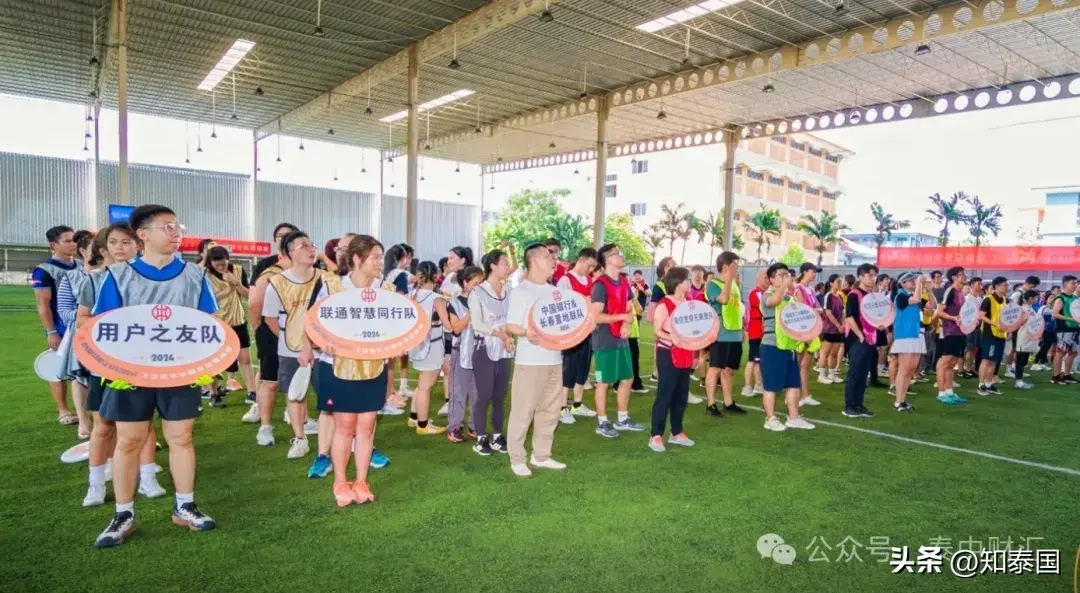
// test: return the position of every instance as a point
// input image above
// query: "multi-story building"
(1058, 221)
(895, 240)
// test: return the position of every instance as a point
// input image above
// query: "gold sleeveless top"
(351, 369)
(230, 305)
(295, 299)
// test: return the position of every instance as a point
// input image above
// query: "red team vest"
(680, 358)
(617, 299)
(584, 289)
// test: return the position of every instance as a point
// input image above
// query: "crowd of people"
(481, 346)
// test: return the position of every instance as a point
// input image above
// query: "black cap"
(806, 267)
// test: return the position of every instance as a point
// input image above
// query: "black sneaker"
(903, 407)
(851, 412)
(482, 446)
(713, 410)
(499, 443)
(993, 389)
(217, 401)
(1069, 380)
(121, 526)
(983, 390)
(250, 399)
(864, 413)
(457, 435)
(188, 515)
(734, 409)
(205, 394)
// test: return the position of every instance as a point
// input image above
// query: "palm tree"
(572, 233)
(946, 211)
(886, 224)
(825, 229)
(672, 225)
(690, 224)
(654, 240)
(713, 228)
(982, 219)
(765, 224)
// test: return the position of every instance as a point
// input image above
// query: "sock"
(147, 471)
(601, 419)
(126, 507)
(412, 415)
(97, 475)
(182, 499)
(403, 384)
(623, 416)
(422, 423)
(577, 405)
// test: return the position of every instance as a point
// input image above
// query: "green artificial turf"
(620, 518)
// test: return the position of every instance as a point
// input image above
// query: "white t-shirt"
(450, 285)
(521, 300)
(272, 307)
(516, 278)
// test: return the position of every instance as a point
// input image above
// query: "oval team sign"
(156, 346)
(1011, 315)
(969, 315)
(878, 309)
(800, 321)
(695, 324)
(367, 324)
(561, 320)
(1035, 326)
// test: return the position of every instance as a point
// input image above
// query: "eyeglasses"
(172, 228)
(304, 246)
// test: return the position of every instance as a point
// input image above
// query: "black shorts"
(725, 355)
(95, 389)
(833, 338)
(755, 351)
(138, 405)
(952, 346)
(992, 349)
(266, 342)
(575, 364)
(245, 342)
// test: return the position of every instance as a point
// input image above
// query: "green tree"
(573, 234)
(673, 224)
(982, 219)
(794, 256)
(529, 216)
(712, 229)
(886, 224)
(946, 212)
(764, 224)
(825, 229)
(619, 228)
(654, 240)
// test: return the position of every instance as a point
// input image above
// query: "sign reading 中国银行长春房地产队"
(694, 325)
(156, 346)
(561, 319)
(367, 324)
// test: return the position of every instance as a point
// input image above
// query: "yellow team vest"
(350, 369)
(995, 316)
(230, 305)
(295, 299)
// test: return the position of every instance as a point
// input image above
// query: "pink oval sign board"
(367, 324)
(877, 308)
(969, 315)
(800, 321)
(156, 346)
(1035, 326)
(694, 325)
(1011, 317)
(561, 319)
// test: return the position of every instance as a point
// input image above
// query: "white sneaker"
(759, 389)
(1021, 384)
(747, 391)
(252, 415)
(798, 423)
(404, 390)
(566, 417)
(680, 439)
(445, 409)
(582, 411)
(835, 377)
(521, 471)
(774, 425)
(1010, 373)
(693, 399)
(150, 487)
(548, 463)
(588, 385)
(388, 410)
(311, 427)
(265, 436)
(657, 444)
(285, 417)
(298, 448)
(809, 401)
(824, 379)
(95, 496)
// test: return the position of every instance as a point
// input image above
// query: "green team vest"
(1067, 301)
(731, 314)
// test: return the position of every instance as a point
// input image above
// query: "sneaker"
(798, 423)
(470, 433)
(1069, 380)
(445, 409)
(405, 391)
(566, 416)
(298, 448)
(320, 467)
(362, 492)
(1010, 373)
(188, 515)
(983, 390)
(850, 413)
(654, 379)
(606, 430)
(713, 410)
(903, 407)
(548, 463)
(95, 495)
(1021, 384)
(836, 377)
(681, 440)
(457, 435)
(1055, 380)
(311, 427)
(920, 379)
(639, 389)
(233, 385)
(150, 488)
(734, 409)
(121, 526)
(588, 385)
(499, 443)
(429, 429)
(628, 424)
(250, 398)
(656, 443)
(252, 415)
(747, 391)
(378, 460)
(824, 379)
(412, 423)
(344, 494)
(520, 470)
(864, 413)
(774, 425)
(759, 390)
(694, 399)
(388, 410)
(217, 402)
(482, 446)
(205, 393)
(265, 436)
(993, 390)
(809, 401)
(956, 398)
(582, 411)
(892, 390)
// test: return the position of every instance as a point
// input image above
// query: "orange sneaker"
(344, 494)
(362, 492)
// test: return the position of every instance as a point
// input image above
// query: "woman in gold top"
(230, 286)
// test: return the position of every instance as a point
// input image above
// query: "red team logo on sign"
(368, 295)
(556, 296)
(161, 312)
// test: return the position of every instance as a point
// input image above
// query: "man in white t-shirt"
(535, 392)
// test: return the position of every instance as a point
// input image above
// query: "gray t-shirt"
(602, 338)
(768, 319)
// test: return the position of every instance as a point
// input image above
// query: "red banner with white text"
(1025, 258)
(235, 246)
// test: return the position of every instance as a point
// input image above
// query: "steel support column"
(120, 7)
(413, 150)
(480, 231)
(376, 229)
(731, 144)
(599, 215)
(249, 225)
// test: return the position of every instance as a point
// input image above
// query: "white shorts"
(909, 346)
(434, 359)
